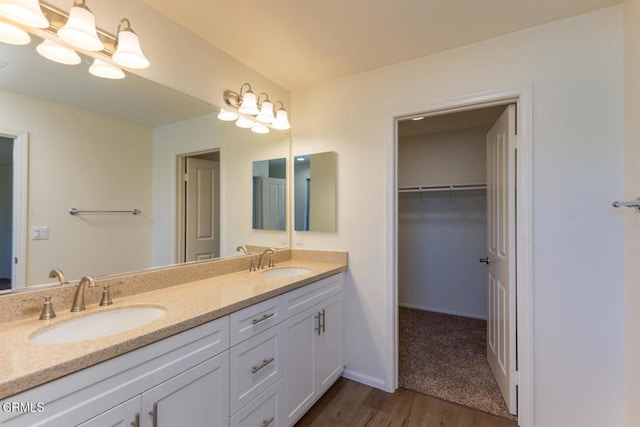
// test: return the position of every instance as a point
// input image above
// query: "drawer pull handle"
(266, 423)
(262, 319)
(264, 363)
(136, 421)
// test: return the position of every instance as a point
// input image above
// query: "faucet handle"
(271, 263)
(106, 297)
(47, 309)
(253, 265)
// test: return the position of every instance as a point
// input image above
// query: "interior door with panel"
(202, 229)
(501, 303)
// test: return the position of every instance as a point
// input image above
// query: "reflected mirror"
(109, 145)
(315, 192)
(269, 194)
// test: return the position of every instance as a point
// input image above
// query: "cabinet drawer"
(264, 410)
(252, 320)
(300, 299)
(256, 364)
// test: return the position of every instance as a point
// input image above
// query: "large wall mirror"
(111, 145)
(315, 192)
(270, 194)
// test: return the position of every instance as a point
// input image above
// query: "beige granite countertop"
(26, 364)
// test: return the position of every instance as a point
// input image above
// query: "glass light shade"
(128, 52)
(244, 123)
(80, 30)
(26, 12)
(227, 116)
(13, 35)
(266, 113)
(249, 104)
(259, 128)
(58, 53)
(105, 70)
(281, 122)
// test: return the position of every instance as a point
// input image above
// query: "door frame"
(180, 204)
(19, 205)
(522, 97)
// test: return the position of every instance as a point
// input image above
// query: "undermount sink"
(286, 271)
(97, 325)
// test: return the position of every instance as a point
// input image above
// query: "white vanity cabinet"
(312, 341)
(264, 365)
(175, 371)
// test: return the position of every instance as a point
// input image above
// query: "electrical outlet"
(40, 232)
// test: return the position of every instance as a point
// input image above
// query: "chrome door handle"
(136, 421)
(154, 415)
(319, 323)
(266, 423)
(486, 260)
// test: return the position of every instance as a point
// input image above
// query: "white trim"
(444, 311)
(522, 95)
(364, 379)
(19, 206)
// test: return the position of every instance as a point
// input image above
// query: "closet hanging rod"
(74, 211)
(429, 188)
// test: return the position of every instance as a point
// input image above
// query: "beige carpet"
(445, 356)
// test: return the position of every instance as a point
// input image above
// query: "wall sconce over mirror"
(254, 112)
(269, 194)
(64, 33)
(315, 192)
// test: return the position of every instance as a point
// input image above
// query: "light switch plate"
(40, 232)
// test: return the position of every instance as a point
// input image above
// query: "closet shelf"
(428, 188)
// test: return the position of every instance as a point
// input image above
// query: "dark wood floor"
(352, 404)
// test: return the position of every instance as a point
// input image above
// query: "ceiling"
(297, 43)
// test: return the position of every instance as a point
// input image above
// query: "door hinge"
(515, 377)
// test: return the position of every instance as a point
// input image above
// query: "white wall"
(87, 161)
(441, 235)
(238, 149)
(575, 67)
(632, 218)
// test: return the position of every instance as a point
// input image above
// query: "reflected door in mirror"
(202, 209)
(315, 192)
(269, 194)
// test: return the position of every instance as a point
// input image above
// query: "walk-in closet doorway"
(459, 180)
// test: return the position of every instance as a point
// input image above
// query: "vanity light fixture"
(25, 12)
(103, 69)
(250, 112)
(63, 32)
(11, 34)
(57, 53)
(80, 28)
(128, 51)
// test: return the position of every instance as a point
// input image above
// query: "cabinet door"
(329, 343)
(126, 414)
(197, 397)
(298, 364)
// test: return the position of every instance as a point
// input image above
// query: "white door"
(273, 203)
(202, 227)
(501, 320)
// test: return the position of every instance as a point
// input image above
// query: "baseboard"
(364, 379)
(445, 311)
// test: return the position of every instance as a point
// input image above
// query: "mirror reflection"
(77, 141)
(315, 192)
(269, 194)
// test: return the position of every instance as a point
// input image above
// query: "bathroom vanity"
(262, 353)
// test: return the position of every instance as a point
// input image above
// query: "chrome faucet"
(271, 263)
(57, 273)
(78, 298)
(242, 249)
